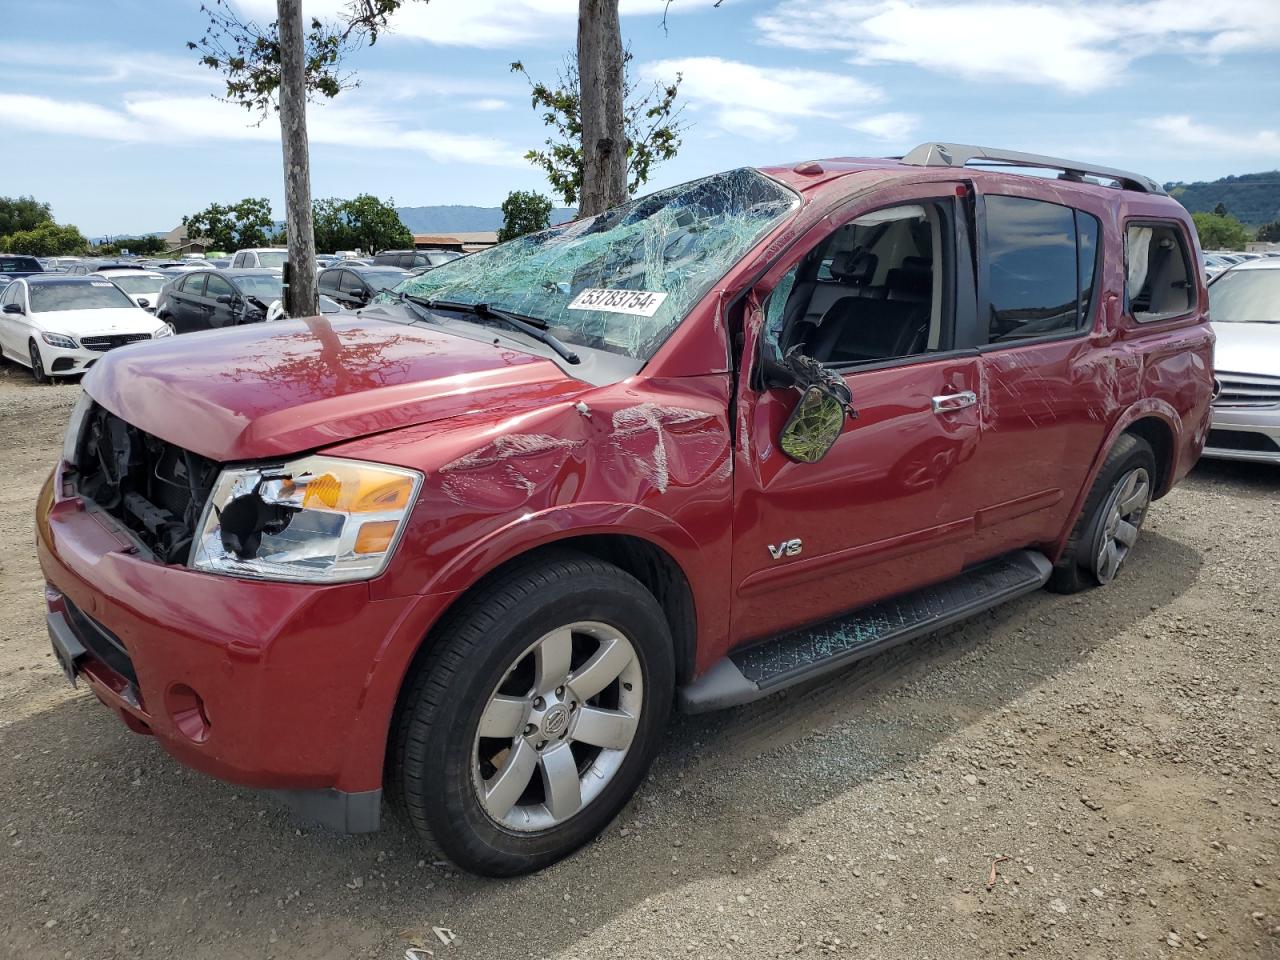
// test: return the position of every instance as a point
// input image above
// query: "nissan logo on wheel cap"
(556, 721)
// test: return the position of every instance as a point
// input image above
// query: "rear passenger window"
(1158, 277)
(1041, 262)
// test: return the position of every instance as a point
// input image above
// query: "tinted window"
(329, 279)
(1158, 281)
(19, 264)
(350, 283)
(193, 284)
(217, 287)
(1032, 276)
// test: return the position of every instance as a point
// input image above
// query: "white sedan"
(143, 286)
(59, 325)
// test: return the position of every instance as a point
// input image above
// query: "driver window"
(872, 291)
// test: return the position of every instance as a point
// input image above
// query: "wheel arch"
(1158, 424)
(648, 561)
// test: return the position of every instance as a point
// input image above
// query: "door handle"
(950, 402)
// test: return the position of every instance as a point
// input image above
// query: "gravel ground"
(1119, 748)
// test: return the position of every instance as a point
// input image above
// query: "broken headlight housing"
(315, 520)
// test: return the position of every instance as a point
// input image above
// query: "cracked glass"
(676, 242)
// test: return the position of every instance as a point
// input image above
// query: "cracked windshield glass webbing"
(675, 242)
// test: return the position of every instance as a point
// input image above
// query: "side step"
(790, 658)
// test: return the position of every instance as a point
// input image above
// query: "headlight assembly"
(60, 340)
(318, 520)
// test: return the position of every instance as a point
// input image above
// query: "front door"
(876, 297)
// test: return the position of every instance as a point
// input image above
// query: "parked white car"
(59, 326)
(1244, 303)
(142, 286)
(272, 258)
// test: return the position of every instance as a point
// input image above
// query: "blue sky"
(109, 117)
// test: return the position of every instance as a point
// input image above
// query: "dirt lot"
(1121, 748)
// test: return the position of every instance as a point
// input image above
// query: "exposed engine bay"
(156, 489)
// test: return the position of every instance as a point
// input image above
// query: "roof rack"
(960, 154)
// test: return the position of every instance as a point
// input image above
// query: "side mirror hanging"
(825, 401)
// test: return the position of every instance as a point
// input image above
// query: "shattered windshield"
(623, 280)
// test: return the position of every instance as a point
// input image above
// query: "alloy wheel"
(557, 728)
(37, 363)
(1122, 516)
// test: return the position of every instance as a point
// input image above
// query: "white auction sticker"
(637, 303)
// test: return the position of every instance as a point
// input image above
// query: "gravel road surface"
(1115, 755)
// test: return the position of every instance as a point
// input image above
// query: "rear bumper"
(1241, 433)
(281, 686)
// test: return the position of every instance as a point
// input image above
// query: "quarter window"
(1158, 282)
(194, 284)
(1041, 261)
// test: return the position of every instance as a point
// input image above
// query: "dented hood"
(266, 390)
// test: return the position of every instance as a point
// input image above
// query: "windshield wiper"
(419, 305)
(531, 326)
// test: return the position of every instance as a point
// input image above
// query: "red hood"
(266, 390)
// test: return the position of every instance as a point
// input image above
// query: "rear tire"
(1112, 516)
(534, 715)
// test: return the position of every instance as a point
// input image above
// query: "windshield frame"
(634, 244)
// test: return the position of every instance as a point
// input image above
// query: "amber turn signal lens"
(376, 537)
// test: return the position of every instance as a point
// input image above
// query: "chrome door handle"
(951, 402)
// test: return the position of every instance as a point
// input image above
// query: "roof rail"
(960, 154)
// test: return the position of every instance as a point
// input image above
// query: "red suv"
(470, 544)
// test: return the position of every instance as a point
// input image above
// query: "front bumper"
(1245, 433)
(61, 362)
(281, 686)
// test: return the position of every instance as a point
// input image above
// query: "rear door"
(188, 303)
(1049, 372)
(876, 295)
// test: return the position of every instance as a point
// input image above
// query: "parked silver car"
(1244, 305)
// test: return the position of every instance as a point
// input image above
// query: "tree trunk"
(302, 297)
(604, 139)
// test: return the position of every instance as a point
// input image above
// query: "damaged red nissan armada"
(470, 544)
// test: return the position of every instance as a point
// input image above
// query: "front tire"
(534, 715)
(1112, 516)
(37, 363)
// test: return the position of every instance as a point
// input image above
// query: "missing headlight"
(246, 519)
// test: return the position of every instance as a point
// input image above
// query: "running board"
(799, 655)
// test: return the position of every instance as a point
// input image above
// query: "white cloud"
(1180, 130)
(895, 127)
(762, 102)
(155, 118)
(489, 104)
(480, 23)
(1075, 45)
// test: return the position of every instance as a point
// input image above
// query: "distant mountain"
(459, 219)
(1252, 198)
